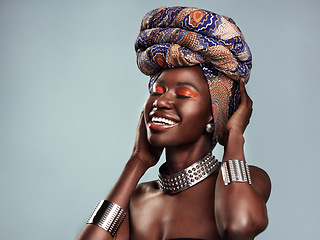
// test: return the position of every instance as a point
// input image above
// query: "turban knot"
(180, 36)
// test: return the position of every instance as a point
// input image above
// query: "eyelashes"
(187, 93)
(183, 92)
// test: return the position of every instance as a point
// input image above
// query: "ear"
(215, 111)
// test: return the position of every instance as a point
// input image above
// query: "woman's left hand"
(241, 117)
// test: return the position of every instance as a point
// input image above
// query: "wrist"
(235, 136)
(137, 164)
(146, 159)
(233, 148)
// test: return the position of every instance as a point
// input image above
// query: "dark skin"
(208, 210)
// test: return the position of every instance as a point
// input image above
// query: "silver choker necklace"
(186, 178)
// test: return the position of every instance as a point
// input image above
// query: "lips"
(159, 123)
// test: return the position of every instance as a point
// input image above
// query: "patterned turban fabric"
(180, 36)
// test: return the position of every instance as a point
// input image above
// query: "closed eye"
(157, 90)
(187, 93)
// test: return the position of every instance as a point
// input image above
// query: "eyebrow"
(159, 81)
(187, 84)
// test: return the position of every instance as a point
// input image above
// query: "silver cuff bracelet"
(108, 216)
(235, 170)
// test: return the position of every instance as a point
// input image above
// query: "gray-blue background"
(71, 94)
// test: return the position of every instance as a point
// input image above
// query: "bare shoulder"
(147, 187)
(146, 190)
(260, 181)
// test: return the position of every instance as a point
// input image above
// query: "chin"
(156, 142)
(165, 142)
(162, 142)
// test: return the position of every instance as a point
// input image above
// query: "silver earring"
(210, 127)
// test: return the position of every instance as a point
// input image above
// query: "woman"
(198, 62)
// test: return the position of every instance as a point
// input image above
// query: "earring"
(210, 127)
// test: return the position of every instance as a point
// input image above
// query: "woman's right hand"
(142, 149)
(143, 156)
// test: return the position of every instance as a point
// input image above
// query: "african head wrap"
(179, 36)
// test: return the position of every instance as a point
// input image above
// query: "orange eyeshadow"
(188, 93)
(159, 89)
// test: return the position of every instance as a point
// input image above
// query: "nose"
(164, 101)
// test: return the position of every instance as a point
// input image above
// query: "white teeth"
(160, 120)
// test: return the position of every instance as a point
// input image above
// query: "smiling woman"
(198, 64)
(178, 108)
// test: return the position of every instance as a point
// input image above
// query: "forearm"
(127, 182)
(120, 194)
(240, 211)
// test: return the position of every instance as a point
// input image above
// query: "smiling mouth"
(162, 121)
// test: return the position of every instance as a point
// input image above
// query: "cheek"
(197, 114)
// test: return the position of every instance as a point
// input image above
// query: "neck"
(181, 157)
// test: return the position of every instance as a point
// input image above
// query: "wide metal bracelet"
(108, 216)
(235, 170)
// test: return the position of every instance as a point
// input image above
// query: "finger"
(244, 97)
(141, 127)
(141, 119)
(243, 91)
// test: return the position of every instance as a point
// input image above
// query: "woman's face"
(178, 108)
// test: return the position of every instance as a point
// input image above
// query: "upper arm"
(261, 182)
